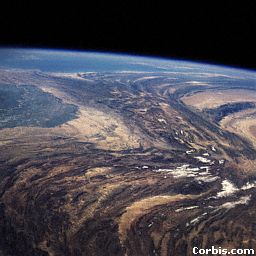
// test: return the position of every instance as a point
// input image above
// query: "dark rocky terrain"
(118, 163)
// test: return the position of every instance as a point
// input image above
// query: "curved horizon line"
(128, 54)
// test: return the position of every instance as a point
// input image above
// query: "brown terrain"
(242, 122)
(143, 168)
(213, 99)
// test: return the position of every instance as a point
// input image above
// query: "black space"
(209, 32)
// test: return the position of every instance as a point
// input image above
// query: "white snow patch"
(198, 218)
(183, 166)
(202, 159)
(149, 225)
(228, 189)
(208, 178)
(179, 172)
(186, 208)
(180, 140)
(190, 151)
(242, 200)
(249, 185)
(195, 220)
(185, 171)
(213, 149)
(161, 120)
(194, 169)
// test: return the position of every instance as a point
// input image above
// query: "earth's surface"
(106, 154)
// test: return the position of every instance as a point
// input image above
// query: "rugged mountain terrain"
(126, 163)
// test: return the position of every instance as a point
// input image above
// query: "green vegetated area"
(29, 106)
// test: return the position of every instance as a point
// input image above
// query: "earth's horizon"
(111, 154)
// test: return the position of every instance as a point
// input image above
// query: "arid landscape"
(126, 163)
